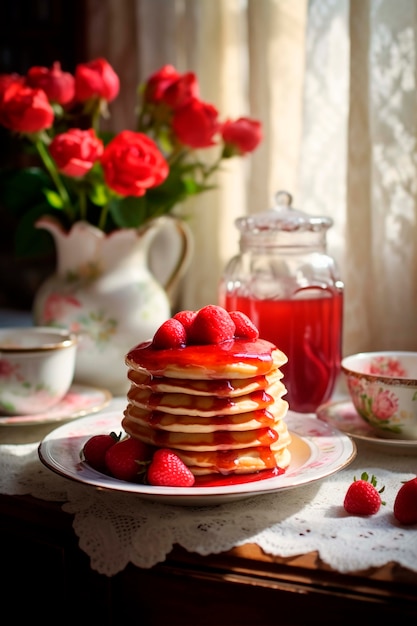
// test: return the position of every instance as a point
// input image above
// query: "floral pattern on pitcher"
(92, 323)
(104, 291)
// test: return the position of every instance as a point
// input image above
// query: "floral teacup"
(383, 388)
(36, 368)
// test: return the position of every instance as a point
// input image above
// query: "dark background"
(32, 32)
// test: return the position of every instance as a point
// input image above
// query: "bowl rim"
(389, 380)
(65, 338)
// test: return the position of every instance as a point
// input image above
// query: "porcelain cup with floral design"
(36, 368)
(383, 388)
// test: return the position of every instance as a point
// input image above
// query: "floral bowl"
(37, 368)
(383, 388)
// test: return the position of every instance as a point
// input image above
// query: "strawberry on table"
(95, 449)
(405, 504)
(362, 496)
(168, 470)
(127, 459)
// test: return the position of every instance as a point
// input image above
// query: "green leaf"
(130, 212)
(54, 199)
(22, 189)
(98, 195)
(29, 240)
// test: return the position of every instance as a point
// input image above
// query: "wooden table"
(47, 577)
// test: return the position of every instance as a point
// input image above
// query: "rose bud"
(59, 86)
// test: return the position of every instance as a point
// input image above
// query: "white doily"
(116, 528)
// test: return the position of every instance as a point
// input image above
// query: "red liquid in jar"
(309, 332)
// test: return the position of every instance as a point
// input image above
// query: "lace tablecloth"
(117, 528)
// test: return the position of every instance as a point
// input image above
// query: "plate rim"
(347, 452)
(38, 419)
(395, 443)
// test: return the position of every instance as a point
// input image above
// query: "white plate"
(317, 451)
(80, 400)
(343, 416)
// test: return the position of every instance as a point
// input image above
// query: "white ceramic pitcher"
(104, 290)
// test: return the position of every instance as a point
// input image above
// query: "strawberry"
(212, 324)
(186, 318)
(95, 449)
(405, 504)
(167, 469)
(245, 328)
(362, 497)
(171, 334)
(127, 459)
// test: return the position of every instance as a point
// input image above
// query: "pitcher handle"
(171, 283)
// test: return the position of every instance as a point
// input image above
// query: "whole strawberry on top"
(212, 324)
(362, 496)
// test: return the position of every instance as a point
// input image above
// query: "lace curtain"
(334, 84)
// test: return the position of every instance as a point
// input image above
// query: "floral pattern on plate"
(344, 416)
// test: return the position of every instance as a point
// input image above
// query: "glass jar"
(288, 285)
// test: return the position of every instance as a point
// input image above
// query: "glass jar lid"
(282, 217)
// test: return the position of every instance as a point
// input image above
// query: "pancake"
(219, 388)
(219, 406)
(247, 461)
(183, 403)
(187, 423)
(231, 359)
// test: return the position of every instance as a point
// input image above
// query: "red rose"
(25, 110)
(132, 163)
(195, 124)
(96, 79)
(59, 86)
(181, 91)
(157, 84)
(242, 135)
(76, 151)
(8, 79)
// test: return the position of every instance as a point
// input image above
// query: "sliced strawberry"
(94, 450)
(245, 328)
(127, 459)
(167, 469)
(405, 504)
(171, 334)
(212, 324)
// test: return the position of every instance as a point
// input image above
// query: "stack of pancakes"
(219, 407)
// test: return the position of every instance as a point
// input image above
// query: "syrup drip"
(212, 387)
(159, 418)
(210, 358)
(167, 401)
(221, 439)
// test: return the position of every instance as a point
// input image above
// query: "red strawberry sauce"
(211, 357)
(214, 480)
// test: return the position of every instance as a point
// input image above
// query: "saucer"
(343, 416)
(80, 400)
